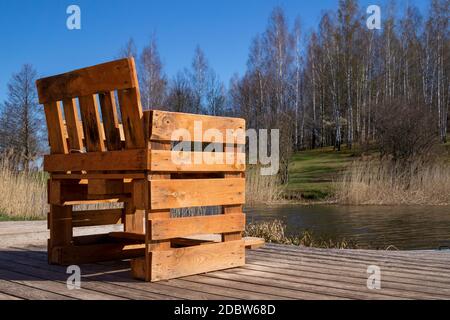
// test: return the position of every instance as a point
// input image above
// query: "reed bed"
(23, 195)
(388, 183)
(261, 189)
(275, 232)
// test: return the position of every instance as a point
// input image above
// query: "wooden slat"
(53, 191)
(110, 120)
(56, 139)
(132, 118)
(127, 236)
(133, 217)
(98, 161)
(71, 192)
(91, 124)
(96, 217)
(60, 225)
(80, 126)
(231, 236)
(74, 130)
(101, 186)
(182, 262)
(96, 253)
(155, 245)
(196, 192)
(178, 161)
(109, 76)
(253, 242)
(141, 193)
(164, 123)
(106, 176)
(160, 229)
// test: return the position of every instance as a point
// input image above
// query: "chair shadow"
(32, 265)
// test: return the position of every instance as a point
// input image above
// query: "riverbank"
(313, 173)
(325, 176)
(403, 227)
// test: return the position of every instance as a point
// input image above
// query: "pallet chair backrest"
(99, 129)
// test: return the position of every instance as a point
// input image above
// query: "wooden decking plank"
(274, 272)
(356, 290)
(440, 255)
(343, 274)
(385, 263)
(276, 283)
(399, 275)
(229, 292)
(444, 263)
(426, 255)
(188, 282)
(28, 287)
(403, 271)
(57, 280)
(121, 276)
(99, 282)
(185, 290)
(4, 296)
(212, 278)
(323, 265)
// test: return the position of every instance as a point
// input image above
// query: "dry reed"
(22, 194)
(262, 189)
(387, 183)
(275, 232)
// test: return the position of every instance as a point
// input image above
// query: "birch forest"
(339, 84)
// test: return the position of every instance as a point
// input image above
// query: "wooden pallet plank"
(179, 161)
(182, 262)
(196, 192)
(91, 124)
(144, 265)
(110, 120)
(96, 217)
(103, 187)
(105, 176)
(253, 242)
(96, 252)
(132, 118)
(56, 139)
(161, 229)
(108, 76)
(164, 124)
(133, 217)
(231, 209)
(73, 127)
(59, 222)
(98, 161)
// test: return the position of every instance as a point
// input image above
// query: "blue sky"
(35, 32)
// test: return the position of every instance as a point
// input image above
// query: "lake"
(376, 227)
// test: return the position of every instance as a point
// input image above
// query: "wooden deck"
(273, 272)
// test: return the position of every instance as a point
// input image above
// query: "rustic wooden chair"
(99, 155)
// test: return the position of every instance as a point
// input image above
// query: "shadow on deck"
(272, 272)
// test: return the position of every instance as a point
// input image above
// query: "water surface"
(377, 227)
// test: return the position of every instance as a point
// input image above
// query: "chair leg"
(133, 218)
(60, 224)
